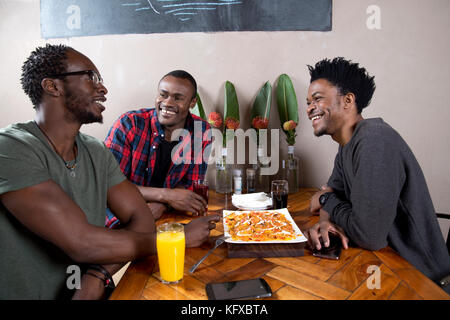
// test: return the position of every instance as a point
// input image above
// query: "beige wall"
(408, 56)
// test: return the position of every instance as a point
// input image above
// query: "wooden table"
(291, 278)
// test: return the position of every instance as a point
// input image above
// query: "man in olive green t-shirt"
(56, 182)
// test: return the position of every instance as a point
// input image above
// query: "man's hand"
(157, 209)
(197, 231)
(321, 230)
(315, 204)
(185, 200)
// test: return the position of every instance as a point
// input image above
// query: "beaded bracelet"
(108, 280)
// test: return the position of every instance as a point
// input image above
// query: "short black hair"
(42, 62)
(347, 76)
(184, 75)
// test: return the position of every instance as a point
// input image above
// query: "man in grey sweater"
(377, 195)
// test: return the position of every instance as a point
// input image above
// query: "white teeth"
(165, 111)
(315, 118)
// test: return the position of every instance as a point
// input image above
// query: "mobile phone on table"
(333, 251)
(243, 289)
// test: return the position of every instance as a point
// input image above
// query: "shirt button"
(154, 147)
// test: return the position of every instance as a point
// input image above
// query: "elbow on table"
(366, 235)
(372, 243)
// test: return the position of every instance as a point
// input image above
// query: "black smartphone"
(243, 289)
(333, 251)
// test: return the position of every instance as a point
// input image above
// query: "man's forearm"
(108, 246)
(154, 194)
(134, 225)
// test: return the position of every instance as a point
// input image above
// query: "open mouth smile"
(99, 102)
(316, 118)
(167, 112)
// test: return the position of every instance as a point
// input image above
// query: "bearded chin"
(75, 111)
(319, 133)
(83, 117)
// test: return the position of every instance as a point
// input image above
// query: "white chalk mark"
(152, 7)
(201, 4)
(175, 10)
(175, 6)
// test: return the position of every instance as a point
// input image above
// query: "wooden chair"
(445, 282)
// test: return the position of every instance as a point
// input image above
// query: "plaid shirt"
(136, 135)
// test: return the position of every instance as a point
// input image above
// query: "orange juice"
(170, 244)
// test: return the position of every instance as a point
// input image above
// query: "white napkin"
(251, 200)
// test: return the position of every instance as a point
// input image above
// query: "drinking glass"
(279, 191)
(170, 245)
(202, 188)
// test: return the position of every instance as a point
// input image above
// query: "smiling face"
(83, 97)
(175, 98)
(325, 108)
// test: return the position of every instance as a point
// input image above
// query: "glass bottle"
(292, 170)
(263, 180)
(251, 182)
(237, 178)
(223, 174)
(282, 172)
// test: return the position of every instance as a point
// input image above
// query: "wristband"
(96, 276)
(107, 281)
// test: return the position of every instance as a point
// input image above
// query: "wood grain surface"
(303, 277)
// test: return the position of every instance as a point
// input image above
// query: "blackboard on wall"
(72, 18)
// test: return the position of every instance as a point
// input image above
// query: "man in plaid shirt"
(153, 154)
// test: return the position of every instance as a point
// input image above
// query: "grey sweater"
(381, 198)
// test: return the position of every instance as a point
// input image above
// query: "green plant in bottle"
(288, 112)
(224, 175)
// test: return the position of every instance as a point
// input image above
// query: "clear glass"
(170, 246)
(224, 176)
(292, 171)
(279, 192)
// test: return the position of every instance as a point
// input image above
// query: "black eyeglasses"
(95, 77)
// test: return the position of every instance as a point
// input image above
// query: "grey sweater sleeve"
(376, 179)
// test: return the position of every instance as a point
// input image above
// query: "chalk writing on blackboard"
(183, 10)
(74, 18)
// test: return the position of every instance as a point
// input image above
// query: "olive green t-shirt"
(31, 267)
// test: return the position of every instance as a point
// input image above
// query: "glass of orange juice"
(170, 245)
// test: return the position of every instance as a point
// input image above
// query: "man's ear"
(349, 100)
(51, 87)
(193, 102)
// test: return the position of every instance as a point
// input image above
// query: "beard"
(320, 133)
(77, 110)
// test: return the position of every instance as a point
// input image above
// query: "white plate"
(241, 207)
(251, 201)
(299, 235)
